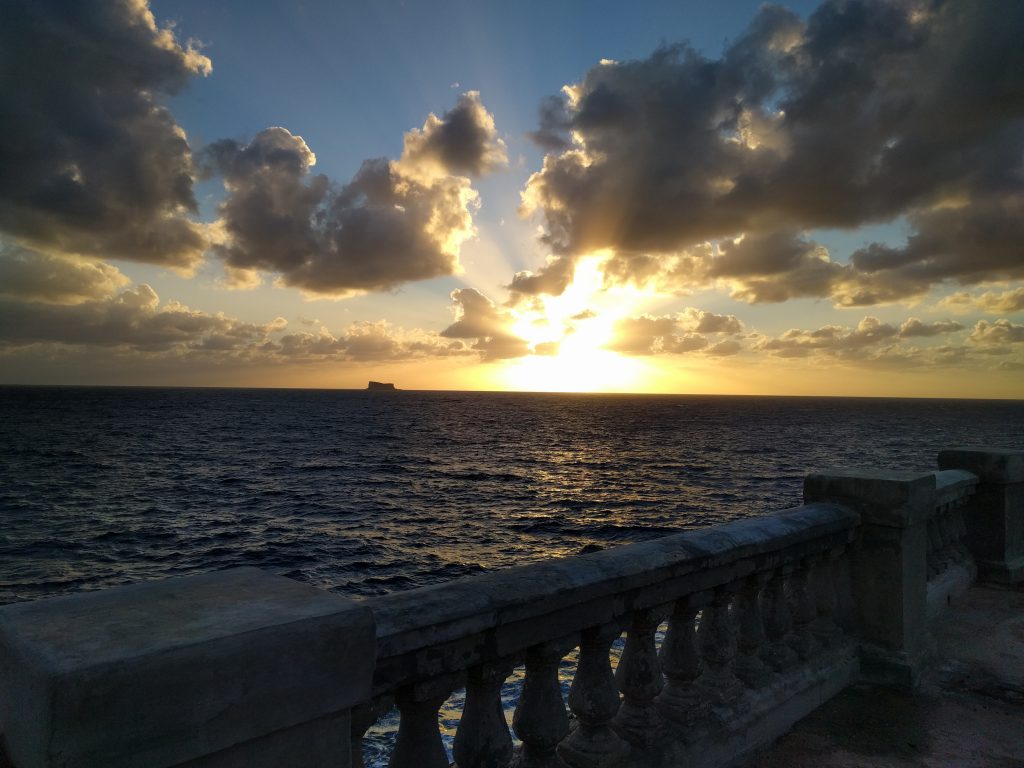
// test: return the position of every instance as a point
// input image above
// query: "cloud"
(725, 348)
(479, 318)
(366, 341)
(394, 222)
(975, 242)
(702, 321)
(993, 303)
(92, 163)
(553, 278)
(647, 335)
(462, 142)
(36, 276)
(831, 339)
(680, 333)
(914, 327)
(133, 318)
(1000, 332)
(867, 112)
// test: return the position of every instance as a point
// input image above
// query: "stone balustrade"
(754, 641)
(732, 634)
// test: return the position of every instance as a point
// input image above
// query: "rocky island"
(380, 386)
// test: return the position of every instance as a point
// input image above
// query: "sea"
(365, 493)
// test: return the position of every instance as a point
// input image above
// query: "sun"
(569, 335)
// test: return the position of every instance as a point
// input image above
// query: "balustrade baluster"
(540, 719)
(778, 622)
(363, 717)
(681, 700)
(594, 700)
(419, 742)
(749, 666)
(483, 739)
(717, 641)
(804, 611)
(639, 678)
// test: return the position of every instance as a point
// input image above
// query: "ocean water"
(366, 493)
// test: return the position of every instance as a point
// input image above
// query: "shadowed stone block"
(220, 669)
(994, 516)
(889, 565)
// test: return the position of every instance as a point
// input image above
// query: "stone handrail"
(474, 630)
(767, 618)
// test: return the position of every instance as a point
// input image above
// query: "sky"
(685, 197)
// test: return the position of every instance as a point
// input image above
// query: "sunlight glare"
(568, 335)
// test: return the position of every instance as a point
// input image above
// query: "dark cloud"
(553, 278)
(775, 267)
(479, 318)
(553, 116)
(378, 231)
(132, 318)
(36, 276)
(702, 321)
(868, 111)
(914, 327)
(92, 163)
(973, 243)
(394, 222)
(463, 142)
(366, 341)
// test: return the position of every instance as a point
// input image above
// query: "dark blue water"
(366, 493)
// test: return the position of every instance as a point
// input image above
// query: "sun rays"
(569, 334)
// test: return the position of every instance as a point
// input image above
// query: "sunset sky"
(707, 197)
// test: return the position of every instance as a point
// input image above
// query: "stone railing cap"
(163, 672)
(992, 465)
(449, 612)
(893, 498)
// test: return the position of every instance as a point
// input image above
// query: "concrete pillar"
(224, 669)
(889, 571)
(994, 516)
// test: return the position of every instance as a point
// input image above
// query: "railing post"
(483, 739)
(716, 639)
(778, 622)
(681, 700)
(889, 565)
(236, 667)
(751, 640)
(640, 680)
(994, 517)
(594, 700)
(419, 744)
(540, 719)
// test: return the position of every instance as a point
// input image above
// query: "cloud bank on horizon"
(674, 174)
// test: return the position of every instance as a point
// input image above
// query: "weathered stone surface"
(429, 631)
(162, 673)
(893, 498)
(954, 484)
(994, 515)
(889, 566)
(992, 465)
